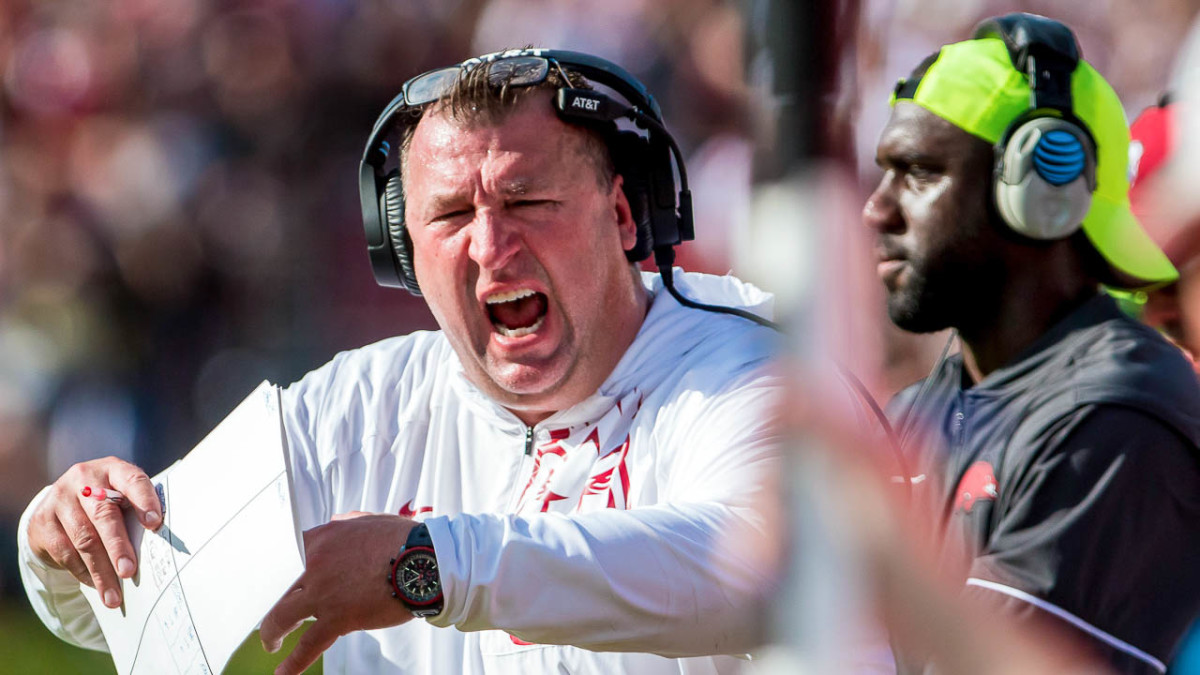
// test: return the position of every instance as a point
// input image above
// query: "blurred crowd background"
(179, 213)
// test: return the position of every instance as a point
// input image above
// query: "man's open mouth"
(518, 312)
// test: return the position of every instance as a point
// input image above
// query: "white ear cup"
(1044, 179)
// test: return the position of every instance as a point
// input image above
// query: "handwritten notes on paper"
(227, 550)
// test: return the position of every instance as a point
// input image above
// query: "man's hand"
(87, 537)
(344, 586)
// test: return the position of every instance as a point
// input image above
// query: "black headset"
(1045, 170)
(663, 217)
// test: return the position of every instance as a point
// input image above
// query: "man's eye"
(451, 215)
(531, 203)
(922, 173)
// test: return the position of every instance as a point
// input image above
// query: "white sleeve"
(54, 593)
(684, 577)
(311, 496)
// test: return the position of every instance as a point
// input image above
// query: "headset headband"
(591, 67)
(1044, 50)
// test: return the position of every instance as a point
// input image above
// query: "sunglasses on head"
(503, 69)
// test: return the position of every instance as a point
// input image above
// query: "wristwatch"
(414, 577)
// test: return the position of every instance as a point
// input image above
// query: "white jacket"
(629, 526)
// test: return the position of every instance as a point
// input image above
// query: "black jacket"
(1069, 482)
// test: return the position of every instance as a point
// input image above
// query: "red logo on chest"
(977, 484)
(408, 511)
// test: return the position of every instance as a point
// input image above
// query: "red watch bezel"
(396, 587)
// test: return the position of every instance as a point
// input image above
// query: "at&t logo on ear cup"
(1058, 157)
(1045, 177)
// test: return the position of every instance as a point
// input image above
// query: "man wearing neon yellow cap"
(1059, 452)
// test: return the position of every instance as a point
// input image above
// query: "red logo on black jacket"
(977, 484)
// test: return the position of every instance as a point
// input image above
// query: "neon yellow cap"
(973, 85)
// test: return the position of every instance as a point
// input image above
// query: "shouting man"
(569, 475)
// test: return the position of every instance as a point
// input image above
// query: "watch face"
(417, 577)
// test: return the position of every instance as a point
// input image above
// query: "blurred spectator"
(1152, 147)
(1173, 309)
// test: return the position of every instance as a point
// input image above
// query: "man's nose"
(494, 239)
(881, 213)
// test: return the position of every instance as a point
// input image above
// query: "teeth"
(509, 296)
(519, 332)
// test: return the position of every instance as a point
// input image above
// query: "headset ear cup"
(393, 213)
(1042, 193)
(628, 151)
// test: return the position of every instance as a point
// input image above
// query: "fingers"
(351, 515)
(88, 537)
(52, 545)
(139, 491)
(109, 523)
(285, 617)
(310, 647)
(89, 546)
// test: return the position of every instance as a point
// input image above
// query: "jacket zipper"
(523, 467)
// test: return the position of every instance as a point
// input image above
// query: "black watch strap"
(418, 536)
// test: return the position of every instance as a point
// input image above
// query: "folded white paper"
(227, 551)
